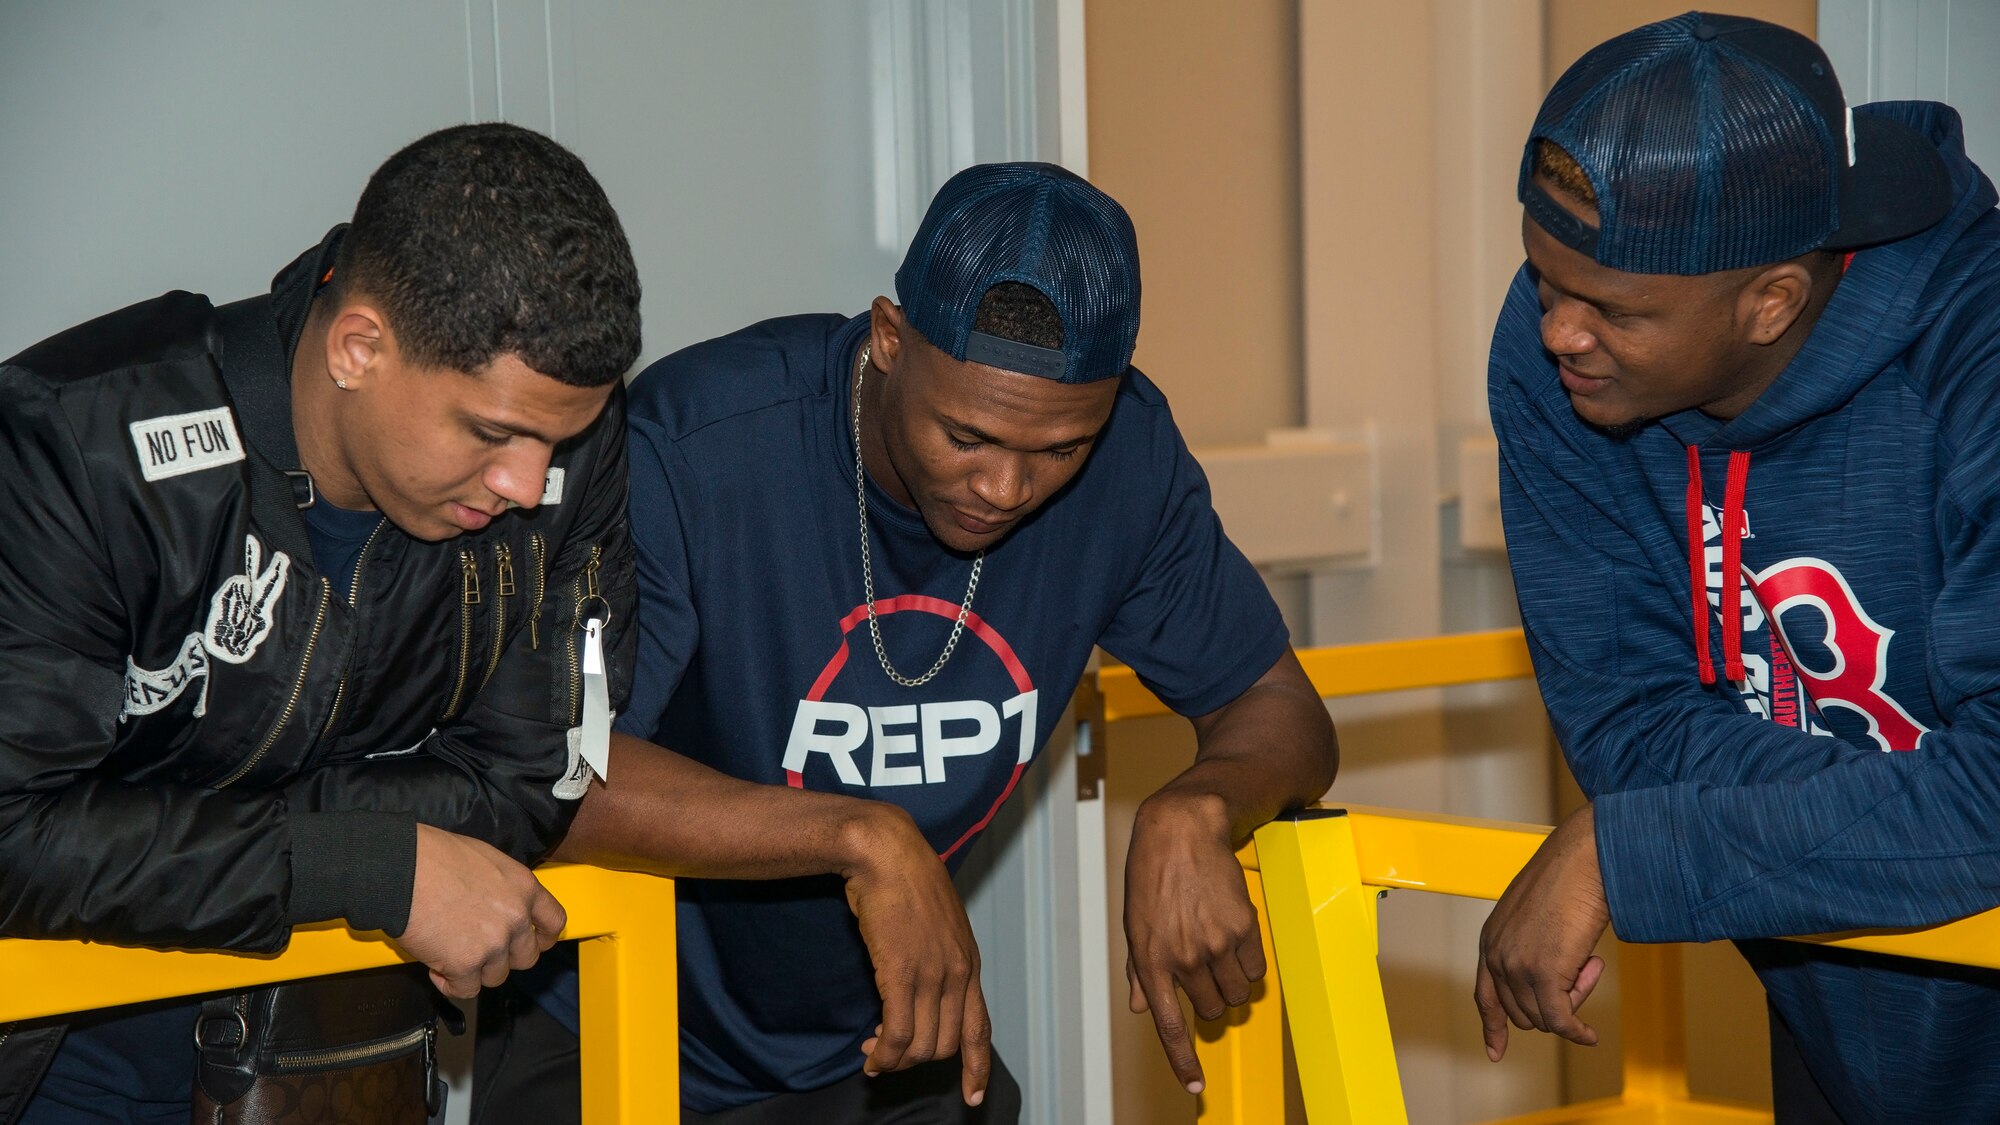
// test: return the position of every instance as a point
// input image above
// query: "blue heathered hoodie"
(1860, 492)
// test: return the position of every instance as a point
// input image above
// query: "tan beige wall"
(1194, 127)
(1575, 26)
(1193, 118)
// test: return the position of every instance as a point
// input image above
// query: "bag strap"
(257, 374)
(225, 1046)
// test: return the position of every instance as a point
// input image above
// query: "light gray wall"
(155, 146)
(766, 157)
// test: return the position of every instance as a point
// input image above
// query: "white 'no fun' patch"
(185, 443)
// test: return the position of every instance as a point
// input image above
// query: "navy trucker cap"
(1039, 225)
(1717, 142)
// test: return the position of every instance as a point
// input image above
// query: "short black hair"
(488, 240)
(1016, 311)
(1554, 164)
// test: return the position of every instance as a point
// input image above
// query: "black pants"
(1796, 1098)
(525, 1073)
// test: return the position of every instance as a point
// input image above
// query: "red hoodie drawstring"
(1732, 566)
(1698, 581)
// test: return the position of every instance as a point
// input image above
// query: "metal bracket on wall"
(1089, 738)
(1479, 495)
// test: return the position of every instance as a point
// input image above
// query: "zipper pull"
(504, 560)
(596, 727)
(590, 573)
(468, 566)
(435, 1089)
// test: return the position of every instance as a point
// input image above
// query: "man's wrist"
(1193, 812)
(870, 834)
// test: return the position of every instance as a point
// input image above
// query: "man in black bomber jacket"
(295, 596)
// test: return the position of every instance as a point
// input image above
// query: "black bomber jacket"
(201, 745)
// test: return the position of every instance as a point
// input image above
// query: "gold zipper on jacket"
(586, 589)
(468, 569)
(540, 548)
(298, 686)
(504, 588)
(353, 600)
(375, 1051)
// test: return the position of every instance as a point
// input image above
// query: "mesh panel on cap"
(1704, 158)
(1040, 225)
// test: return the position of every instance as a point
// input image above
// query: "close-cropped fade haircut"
(1557, 166)
(480, 241)
(1015, 311)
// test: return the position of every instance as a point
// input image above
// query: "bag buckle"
(233, 1031)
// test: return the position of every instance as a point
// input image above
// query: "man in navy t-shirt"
(875, 555)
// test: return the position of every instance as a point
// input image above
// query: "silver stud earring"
(341, 383)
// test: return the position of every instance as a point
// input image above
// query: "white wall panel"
(1937, 50)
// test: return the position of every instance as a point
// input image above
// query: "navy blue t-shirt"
(337, 536)
(754, 656)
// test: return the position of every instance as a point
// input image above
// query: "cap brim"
(1897, 186)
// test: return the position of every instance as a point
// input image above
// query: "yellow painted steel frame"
(1326, 855)
(1318, 865)
(1315, 877)
(629, 1005)
(1242, 1054)
(1462, 658)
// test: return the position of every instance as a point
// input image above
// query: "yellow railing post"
(1323, 927)
(1653, 1021)
(629, 1012)
(1243, 1053)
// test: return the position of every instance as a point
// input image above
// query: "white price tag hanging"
(596, 737)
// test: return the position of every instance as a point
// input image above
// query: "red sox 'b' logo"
(1859, 647)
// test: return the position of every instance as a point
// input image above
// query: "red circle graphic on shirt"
(975, 625)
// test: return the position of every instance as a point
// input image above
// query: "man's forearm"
(670, 815)
(1189, 922)
(1272, 748)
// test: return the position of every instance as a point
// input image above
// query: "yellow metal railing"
(1316, 876)
(1321, 871)
(628, 1007)
(1344, 670)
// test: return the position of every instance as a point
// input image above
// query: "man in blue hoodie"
(1747, 391)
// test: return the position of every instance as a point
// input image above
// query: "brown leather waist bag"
(356, 1049)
